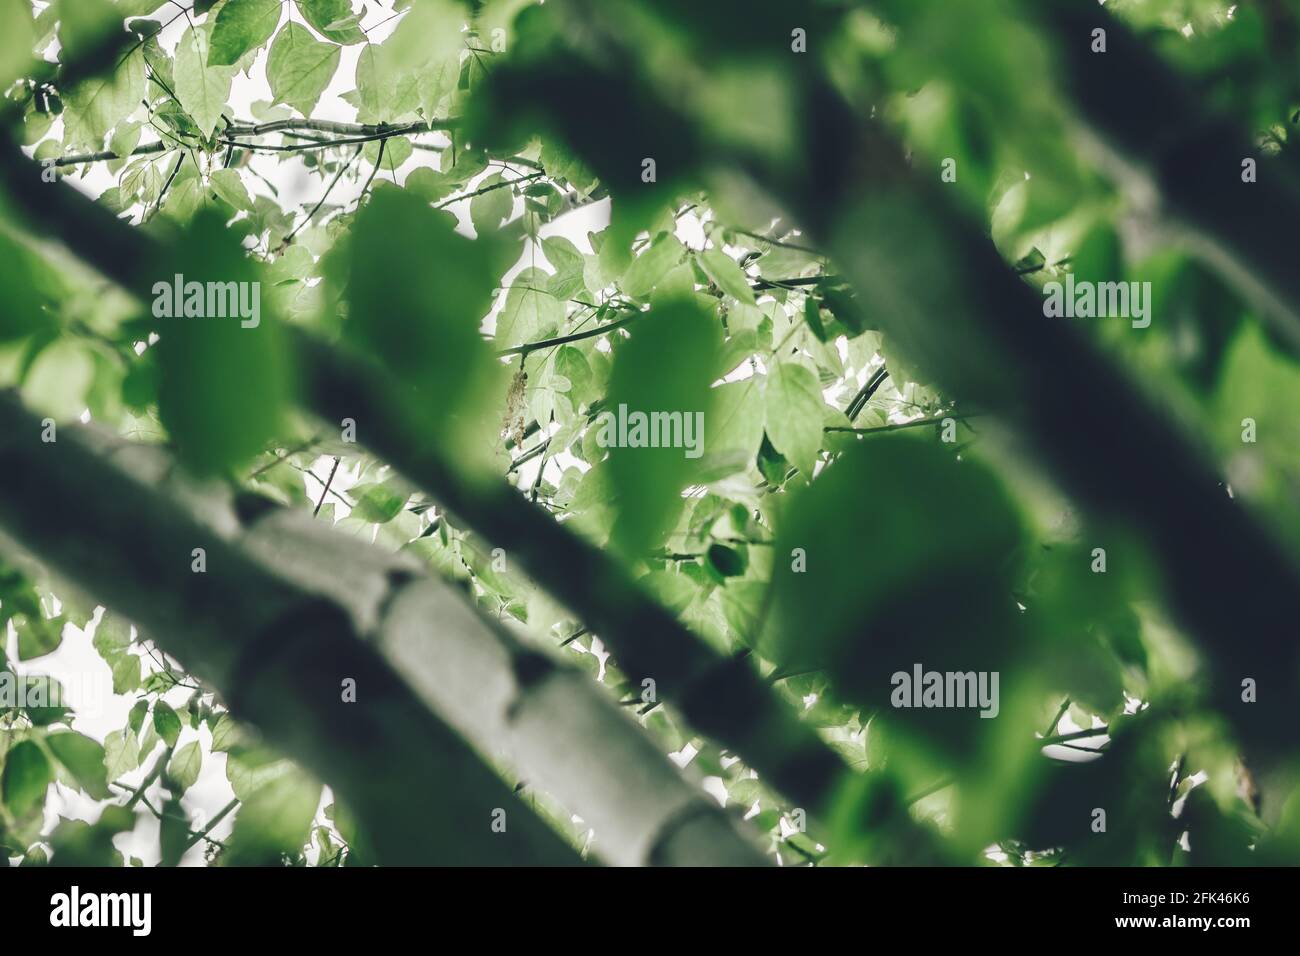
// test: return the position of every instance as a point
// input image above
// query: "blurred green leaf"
(84, 759)
(274, 820)
(647, 481)
(27, 773)
(377, 502)
(81, 844)
(225, 380)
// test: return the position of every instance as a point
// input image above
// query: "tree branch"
(107, 154)
(530, 347)
(305, 606)
(274, 648)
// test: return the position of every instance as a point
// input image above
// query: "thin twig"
(1060, 712)
(379, 160)
(528, 347)
(107, 154)
(487, 189)
(326, 490)
(149, 779)
(285, 243)
(281, 459)
(897, 426)
(203, 834)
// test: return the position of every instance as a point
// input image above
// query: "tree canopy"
(649, 432)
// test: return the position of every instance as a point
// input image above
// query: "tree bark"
(89, 507)
(342, 600)
(548, 721)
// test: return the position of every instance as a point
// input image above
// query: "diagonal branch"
(718, 696)
(273, 647)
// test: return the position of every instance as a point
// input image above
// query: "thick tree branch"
(276, 650)
(549, 721)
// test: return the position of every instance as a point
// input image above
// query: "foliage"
(848, 516)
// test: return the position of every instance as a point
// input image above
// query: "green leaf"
(488, 210)
(275, 819)
(300, 67)
(647, 481)
(30, 287)
(202, 89)
(139, 711)
(248, 768)
(652, 265)
(377, 502)
(572, 365)
(16, 37)
(733, 431)
(27, 774)
(421, 317)
(899, 554)
(83, 758)
(42, 693)
(242, 25)
(126, 674)
(416, 68)
(728, 562)
(213, 424)
(793, 414)
(742, 608)
(96, 105)
(112, 637)
(333, 19)
(121, 753)
(382, 89)
(38, 636)
(77, 843)
(35, 857)
(139, 8)
(431, 185)
(83, 24)
(530, 311)
(569, 263)
(173, 831)
(225, 734)
(184, 767)
(166, 722)
(726, 275)
(812, 315)
(57, 382)
(227, 184)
